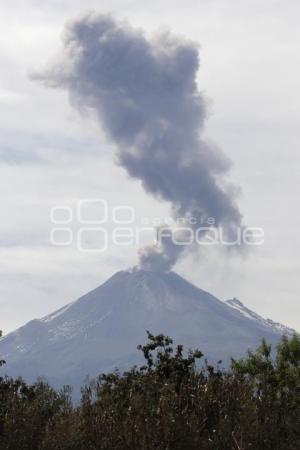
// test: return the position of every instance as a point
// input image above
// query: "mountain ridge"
(101, 330)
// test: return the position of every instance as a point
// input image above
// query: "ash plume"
(143, 90)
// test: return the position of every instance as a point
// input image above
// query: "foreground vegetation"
(166, 404)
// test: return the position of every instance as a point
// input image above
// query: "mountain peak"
(268, 323)
(101, 330)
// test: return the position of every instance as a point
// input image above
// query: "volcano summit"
(101, 330)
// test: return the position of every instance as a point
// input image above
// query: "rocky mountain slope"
(101, 330)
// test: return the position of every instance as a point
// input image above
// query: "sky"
(51, 155)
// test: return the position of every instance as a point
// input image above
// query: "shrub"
(165, 404)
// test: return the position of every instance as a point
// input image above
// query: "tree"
(167, 363)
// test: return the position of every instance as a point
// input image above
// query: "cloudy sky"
(50, 155)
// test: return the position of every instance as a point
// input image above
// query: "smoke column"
(144, 93)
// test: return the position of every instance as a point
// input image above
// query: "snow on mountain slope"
(101, 330)
(268, 323)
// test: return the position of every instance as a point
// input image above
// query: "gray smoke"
(145, 95)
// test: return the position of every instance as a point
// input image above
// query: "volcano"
(101, 330)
